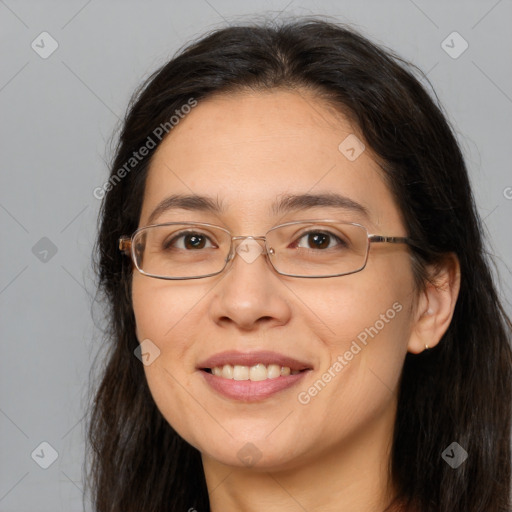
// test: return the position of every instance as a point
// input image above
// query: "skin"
(332, 453)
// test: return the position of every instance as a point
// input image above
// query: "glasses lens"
(319, 248)
(181, 250)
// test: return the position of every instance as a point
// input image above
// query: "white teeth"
(258, 372)
(254, 373)
(273, 371)
(241, 372)
(227, 371)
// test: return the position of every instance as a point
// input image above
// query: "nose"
(250, 292)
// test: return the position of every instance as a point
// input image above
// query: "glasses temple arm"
(393, 240)
(125, 244)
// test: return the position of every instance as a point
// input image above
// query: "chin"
(253, 457)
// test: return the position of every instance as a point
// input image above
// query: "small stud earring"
(426, 347)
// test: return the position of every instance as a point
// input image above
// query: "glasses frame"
(126, 245)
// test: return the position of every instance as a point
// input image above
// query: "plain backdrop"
(58, 113)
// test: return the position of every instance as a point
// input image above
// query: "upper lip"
(235, 358)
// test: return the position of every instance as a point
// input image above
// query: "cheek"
(374, 303)
(161, 307)
(162, 314)
(363, 322)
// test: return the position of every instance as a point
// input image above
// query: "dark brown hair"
(458, 391)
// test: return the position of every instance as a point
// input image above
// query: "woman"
(302, 315)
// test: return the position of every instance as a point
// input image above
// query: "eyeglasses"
(305, 248)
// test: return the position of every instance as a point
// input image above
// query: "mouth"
(255, 373)
(252, 376)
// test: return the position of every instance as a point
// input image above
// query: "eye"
(189, 240)
(319, 240)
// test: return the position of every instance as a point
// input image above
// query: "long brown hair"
(458, 391)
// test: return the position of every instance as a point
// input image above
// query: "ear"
(435, 305)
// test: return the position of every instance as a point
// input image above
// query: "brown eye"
(189, 241)
(194, 241)
(318, 240)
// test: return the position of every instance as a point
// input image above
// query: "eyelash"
(168, 244)
(328, 233)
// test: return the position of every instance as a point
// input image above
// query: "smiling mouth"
(255, 373)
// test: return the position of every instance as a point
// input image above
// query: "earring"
(426, 347)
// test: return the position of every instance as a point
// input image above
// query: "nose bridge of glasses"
(248, 247)
(244, 237)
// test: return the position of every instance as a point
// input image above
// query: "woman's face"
(348, 335)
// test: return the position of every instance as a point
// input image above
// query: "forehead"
(247, 150)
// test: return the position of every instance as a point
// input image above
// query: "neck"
(352, 476)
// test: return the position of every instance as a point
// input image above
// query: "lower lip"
(248, 390)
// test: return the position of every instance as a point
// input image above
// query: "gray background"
(57, 118)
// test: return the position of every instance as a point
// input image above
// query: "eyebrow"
(297, 202)
(287, 203)
(190, 202)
